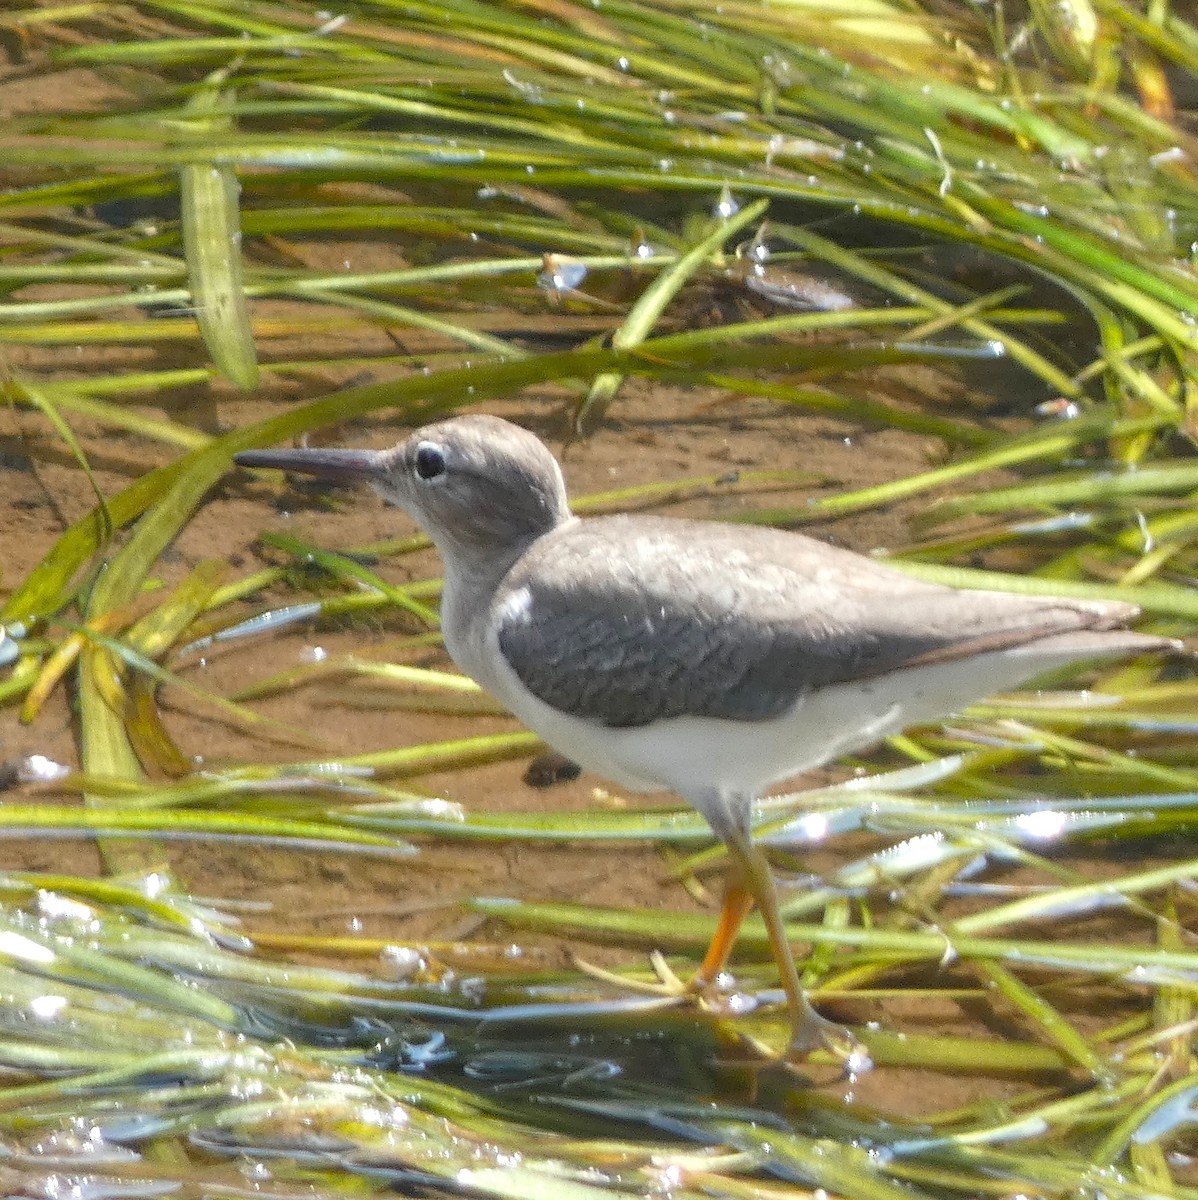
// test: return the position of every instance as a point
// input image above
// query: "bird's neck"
(472, 575)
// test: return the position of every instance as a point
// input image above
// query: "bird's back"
(630, 620)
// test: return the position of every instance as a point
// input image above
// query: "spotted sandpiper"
(707, 659)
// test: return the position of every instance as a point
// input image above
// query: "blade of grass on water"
(212, 244)
(644, 314)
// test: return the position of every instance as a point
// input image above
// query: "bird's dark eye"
(430, 461)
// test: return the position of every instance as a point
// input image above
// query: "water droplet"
(37, 768)
(1043, 825)
(46, 1008)
(402, 962)
(726, 206)
(561, 274)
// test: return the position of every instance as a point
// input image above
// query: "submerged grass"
(770, 201)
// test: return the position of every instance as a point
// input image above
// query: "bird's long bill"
(334, 466)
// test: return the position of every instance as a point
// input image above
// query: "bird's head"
(472, 483)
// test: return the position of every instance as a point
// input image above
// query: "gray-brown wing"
(629, 621)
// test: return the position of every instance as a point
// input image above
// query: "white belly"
(694, 756)
(698, 756)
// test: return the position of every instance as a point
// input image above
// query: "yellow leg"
(738, 900)
(809, 1030)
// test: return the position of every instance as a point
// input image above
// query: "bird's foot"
(668, 984)
(806, 1043)
(811, 1033)
(709, 995)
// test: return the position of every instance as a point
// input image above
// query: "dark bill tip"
(334, 466)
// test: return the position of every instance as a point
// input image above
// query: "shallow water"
(657, 433)
(582, 1074)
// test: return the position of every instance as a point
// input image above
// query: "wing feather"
(629, 621)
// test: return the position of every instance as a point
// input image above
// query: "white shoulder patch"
(516, 607)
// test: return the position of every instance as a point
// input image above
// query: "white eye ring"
(429, 461)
